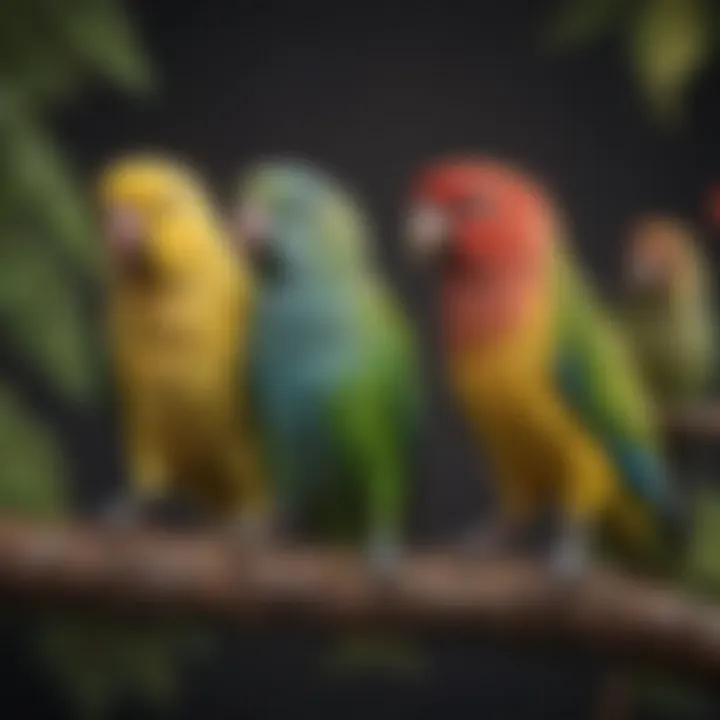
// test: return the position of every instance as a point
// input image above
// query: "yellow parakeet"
(179, 309)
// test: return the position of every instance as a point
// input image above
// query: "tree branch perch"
(701, 420)
(151, 571)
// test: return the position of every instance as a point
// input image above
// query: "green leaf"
(670, 45)
(43, 190)
(41, 317)
(99, 659)
(30, 56)
(33, 475)
(48, 48)
(581, 22)
(102, 36)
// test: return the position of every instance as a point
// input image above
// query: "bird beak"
(253, 232)
(250, 228)
(125, 232)
(426, 232)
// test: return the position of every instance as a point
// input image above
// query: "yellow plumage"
(179, 332)
(541, 452)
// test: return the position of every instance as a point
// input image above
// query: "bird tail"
(360, 654)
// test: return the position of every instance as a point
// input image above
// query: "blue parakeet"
(335, 375)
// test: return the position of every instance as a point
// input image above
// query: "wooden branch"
(321, 590)
(701, 420)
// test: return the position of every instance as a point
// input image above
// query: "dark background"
(374, 92)
(371, 94)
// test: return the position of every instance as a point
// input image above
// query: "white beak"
(426, 231)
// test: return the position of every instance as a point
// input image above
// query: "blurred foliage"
(112, 661)
(42, 318)
(703, 556)
(33, 480)
(50, 50)
(668, 43)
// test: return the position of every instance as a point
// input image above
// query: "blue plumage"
(333, 367)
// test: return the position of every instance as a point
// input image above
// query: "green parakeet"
(670, 321)
(335, 374)
(668, 310)
(334, 371)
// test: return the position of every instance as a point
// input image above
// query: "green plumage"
(671, 323)
(598, 377)
(336, 379)
(669, 318)
(674, 340)
(667, 313)
(335, 372)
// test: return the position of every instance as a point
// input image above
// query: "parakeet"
(334, 371)
(539, 369)
(668, 310)
(180, 301)
(669, 318)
